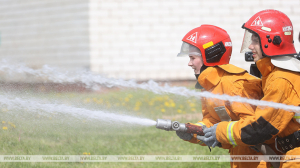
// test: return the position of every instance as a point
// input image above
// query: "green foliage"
(31, 133)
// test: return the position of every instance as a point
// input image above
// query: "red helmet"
(275, 31)
(210, 42)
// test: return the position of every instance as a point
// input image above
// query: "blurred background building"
(128, 39)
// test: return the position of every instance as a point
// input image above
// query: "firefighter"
(209, 49)
(269, 35)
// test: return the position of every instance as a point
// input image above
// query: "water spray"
(91, 80)
(38, 106)
(168, 125)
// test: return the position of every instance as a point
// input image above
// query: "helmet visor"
(246, 41)
(188, 50)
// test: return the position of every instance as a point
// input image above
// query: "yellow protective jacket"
(234, 81)
(280, 86)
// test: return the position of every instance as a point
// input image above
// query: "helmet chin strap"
(203, 68)
(198, 86)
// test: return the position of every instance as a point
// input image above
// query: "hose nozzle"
(164, 124)
(168, 125)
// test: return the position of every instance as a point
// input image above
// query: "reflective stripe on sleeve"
(230, 136)
(297, 117)
(200, 124)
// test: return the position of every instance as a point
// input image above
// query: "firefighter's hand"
(209, 138)
(184, 135)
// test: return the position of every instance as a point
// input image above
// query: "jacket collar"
(232, 68)
(210, 77)
(265, 66)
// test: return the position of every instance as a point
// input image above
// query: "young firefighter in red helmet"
(269, 35)
(209, 48)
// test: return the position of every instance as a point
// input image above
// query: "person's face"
(255, 48)
(196, 63)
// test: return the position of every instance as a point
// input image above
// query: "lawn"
(34, 132)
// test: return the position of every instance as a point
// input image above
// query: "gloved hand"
(184, 135)
(209, 138)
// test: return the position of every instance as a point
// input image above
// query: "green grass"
(30, 133)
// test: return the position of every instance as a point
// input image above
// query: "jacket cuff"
(221, 133)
